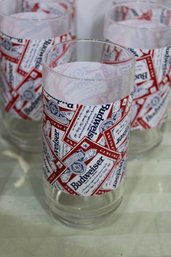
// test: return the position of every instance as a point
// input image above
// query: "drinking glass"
(87, 87)
(145, 29)
(26, 33)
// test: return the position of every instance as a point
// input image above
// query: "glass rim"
(129, 60)
(134, 3)
(66, 13)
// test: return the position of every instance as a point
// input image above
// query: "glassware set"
(83, 103)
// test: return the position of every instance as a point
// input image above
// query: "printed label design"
(127, 12)
(152, 89)
(75, 160)
(52, 7)
(21, 74)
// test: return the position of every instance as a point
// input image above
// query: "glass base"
(24, 134)
(142, 142)
(81, 212)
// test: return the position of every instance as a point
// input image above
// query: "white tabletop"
(141, 226)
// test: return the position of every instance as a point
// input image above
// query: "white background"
(90, 16)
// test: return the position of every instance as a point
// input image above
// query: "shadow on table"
(8, 162)
(21, 169)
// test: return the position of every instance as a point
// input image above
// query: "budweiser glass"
(86, 123)
(26, 33)
(145, 29)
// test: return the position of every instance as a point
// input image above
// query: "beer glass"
(145, 28)
(87, 87)
(26, 33)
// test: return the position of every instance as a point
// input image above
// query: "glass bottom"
(142, 142)
(78, 211)
(24, 134)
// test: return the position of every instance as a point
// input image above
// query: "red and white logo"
(85, 147)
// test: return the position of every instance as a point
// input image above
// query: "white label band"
(21, 75)
(75, 161)
(152, 89)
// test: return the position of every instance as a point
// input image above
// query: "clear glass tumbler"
(145, 28)
(25, 35)
(86, 121)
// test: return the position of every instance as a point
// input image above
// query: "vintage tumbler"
(145, 28)
(87, 89)
(26, 33)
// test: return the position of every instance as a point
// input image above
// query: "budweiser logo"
(97, 121)
(82, 179)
